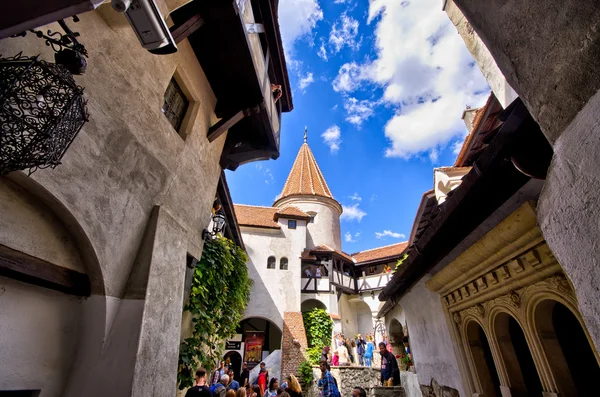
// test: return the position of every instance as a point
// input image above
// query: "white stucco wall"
(432, 348)
(328, 299)
(326, 227)
(39, 336)
(275, 291)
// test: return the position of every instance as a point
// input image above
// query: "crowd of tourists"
(222, 383)
(390, 374)
(359, 351)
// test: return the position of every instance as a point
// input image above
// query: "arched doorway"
(519, 364)
(311, 304)
(233, 359)
(364, 317)
(261, 337)
(568, 350)
(483, 360)
(396, 337)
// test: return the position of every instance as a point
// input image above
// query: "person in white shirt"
(343, 353)
(308, 272)
(318, 273)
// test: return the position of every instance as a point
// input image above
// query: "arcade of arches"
(514, 318)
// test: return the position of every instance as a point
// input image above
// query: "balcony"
(378, 281)
(313, 285)
(240, 50)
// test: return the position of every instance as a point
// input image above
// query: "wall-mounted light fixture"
(218, 225)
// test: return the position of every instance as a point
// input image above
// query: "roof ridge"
(257, 206)
(376, 248)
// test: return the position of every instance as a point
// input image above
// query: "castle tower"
(307, 190)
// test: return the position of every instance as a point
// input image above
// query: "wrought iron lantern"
(42, 110)
(218, 225)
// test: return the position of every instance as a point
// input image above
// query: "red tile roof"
(305, 178)
(257, 216)
(389, 251)
(291, 212)
(251, 215)
(326, 248)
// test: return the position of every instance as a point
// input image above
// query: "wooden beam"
(255, 28)
(29, 269)
(226, 123)
(182, 31)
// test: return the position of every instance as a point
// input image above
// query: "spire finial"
(305, 134)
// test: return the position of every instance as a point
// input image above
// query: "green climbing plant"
(399, 263)
(318, 326)
(306, 373)
(219, 293)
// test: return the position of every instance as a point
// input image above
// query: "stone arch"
(364, 317)
(396, 336)
(311, 303)
(235, 362)
(516, 357)
(567, 347)
(57, 332)
(270, 352)
(35, 191)
(262, 324)
(480, 358)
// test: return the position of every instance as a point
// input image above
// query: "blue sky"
(381, 86)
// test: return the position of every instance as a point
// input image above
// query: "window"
(291, 224)
(283, 264)
(271, 262)
(176, 105)
(312, 216)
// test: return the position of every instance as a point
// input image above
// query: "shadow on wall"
(261, 303)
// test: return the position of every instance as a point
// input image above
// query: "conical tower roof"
(305, 178)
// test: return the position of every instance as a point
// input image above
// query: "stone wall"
(292, 354)
(348, 378)
(135, 195)
(549, 52)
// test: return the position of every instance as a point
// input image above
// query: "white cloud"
(374, 197)
(322, 53)
(306, 81)
(358, 111)
(352, 213)
(269, 176)
(457, 146)
(297, 19)
(389, 233)
(332, 138)
(344, 33)
(350, 77)
(341, 1)
(351, 239)
(355, 197)
(425, 71)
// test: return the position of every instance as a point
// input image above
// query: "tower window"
(291, 224)
(175, 105)
(283, 264)
(312, 216)
(271, 262)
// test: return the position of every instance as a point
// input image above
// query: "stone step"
(382, 391)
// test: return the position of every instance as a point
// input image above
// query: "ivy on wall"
(318, 326)
(219, 293)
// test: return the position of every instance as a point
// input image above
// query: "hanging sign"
(254, 347)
